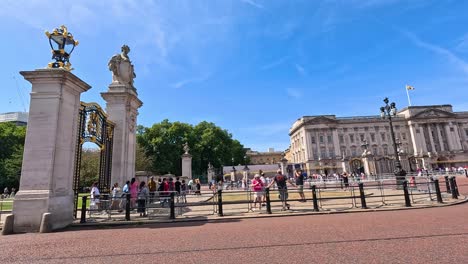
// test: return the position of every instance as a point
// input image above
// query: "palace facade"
(428, 137)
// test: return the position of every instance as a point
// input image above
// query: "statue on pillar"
(122, 68)
(186, 148)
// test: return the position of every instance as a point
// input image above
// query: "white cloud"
(275, 63)
(294, 93)
(449, 55)
(253, 3)
(182, 83)
(463, 44)
(300, 69)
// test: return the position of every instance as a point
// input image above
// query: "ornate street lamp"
(387, 112)
(62, 44)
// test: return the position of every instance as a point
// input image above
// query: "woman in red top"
(257, 188)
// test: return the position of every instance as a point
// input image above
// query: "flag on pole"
(409, 87)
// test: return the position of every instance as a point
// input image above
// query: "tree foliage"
(163, 144)
(89, 167)
(11, 154)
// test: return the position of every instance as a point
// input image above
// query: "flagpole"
(407, 93)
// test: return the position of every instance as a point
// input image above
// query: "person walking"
(197, 187)
(257, 188)
(281, 182)
(183, 191)
(177, 185)
(133, 192)
(95, 195)
(264, 183)
(299, 177)
(152, 189)
(345, 180)
(143, 194)
(115, 205)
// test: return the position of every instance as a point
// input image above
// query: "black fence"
(337, 196)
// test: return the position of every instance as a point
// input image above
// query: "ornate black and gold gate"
(94, 127)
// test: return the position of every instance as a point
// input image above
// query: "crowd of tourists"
(142, 193)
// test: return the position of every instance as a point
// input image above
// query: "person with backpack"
(143, 194)
(281, 182)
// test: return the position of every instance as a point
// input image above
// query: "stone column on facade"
(449, 136)
(46, 184)
(438, 128)
(345, 165)
(336, 142)
(456, 134)
(283, 165)
(431, 139)
(122, 105)
(368, 162)
(417, 139)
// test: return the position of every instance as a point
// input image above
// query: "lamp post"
(387, 112)
(62, 44)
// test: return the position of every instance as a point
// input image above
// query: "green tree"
(163, 144)
(89, 167)
(11, 154)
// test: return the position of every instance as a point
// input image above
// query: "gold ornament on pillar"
(62, 44)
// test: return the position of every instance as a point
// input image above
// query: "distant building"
(430, 137)
(19, 118)
(269, 157)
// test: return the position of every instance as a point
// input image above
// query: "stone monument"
(44, 201)
(186, 162)
(210, 173)
(46, 184)
(122, 108)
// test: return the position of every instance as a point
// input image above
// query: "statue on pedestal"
(186, 148)
(122, 68)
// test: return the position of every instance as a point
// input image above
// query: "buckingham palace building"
(428, 137)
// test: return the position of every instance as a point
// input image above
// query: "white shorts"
(258, 194)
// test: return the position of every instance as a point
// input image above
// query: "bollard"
(437, 189)
(220, 203)
(456, 185)
(452, 188)
(105, 202)
(466, 173)
(447, 185)
(406, 194)
(83, 210)
(314, 198)
(127, 208)
(172, 205)
(268, 202)
(363, 196)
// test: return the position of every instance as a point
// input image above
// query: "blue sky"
(250, 66)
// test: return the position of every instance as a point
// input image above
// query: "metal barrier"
(373, 193)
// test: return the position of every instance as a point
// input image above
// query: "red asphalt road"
(436, 235)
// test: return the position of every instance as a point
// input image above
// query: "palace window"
(366, 128)
(383, 136)
(356, 129)
(321, 139)
(452, 129)
(385, 150)
(313, 140)
(323, 153)
(329, 139)
(362, 137)
(372, 136)
(331, 153)
(403, 135)
(353, 151)
(340, 137)
(351, 138)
